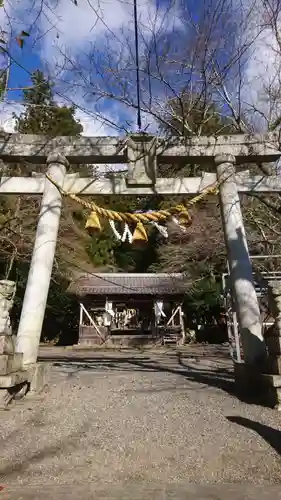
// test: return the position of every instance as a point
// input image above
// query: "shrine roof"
(129, 284)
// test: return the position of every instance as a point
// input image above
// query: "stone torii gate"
(143, 154)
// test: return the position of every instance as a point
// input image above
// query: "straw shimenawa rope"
(181, 211)
(154, 216)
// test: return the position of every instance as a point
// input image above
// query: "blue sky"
(29, 61)
(76, 43)
(107, 37)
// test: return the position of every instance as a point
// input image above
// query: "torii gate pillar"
(248, 312)
(37, 288)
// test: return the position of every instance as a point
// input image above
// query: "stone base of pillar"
(40, 378)
(10, 363)
(264, 388)
(7, 344)
(26, 381)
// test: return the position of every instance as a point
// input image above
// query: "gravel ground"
(140, 418)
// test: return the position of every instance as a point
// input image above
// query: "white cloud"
(64, 28)
(7, 122)
(108, 26)
(71, 29)
(92, 126)
(263, 63)
(60, 28)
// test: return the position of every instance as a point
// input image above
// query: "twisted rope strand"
(154, 216)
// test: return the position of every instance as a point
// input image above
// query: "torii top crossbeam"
(143, 154)
(114, 149)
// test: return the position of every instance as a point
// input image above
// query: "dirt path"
(150, 418)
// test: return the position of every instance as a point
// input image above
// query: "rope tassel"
(93, 222)
(176, 222)
(184, 219)
(140, 234)
(177, 214)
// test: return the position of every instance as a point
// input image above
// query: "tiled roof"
(129, 283)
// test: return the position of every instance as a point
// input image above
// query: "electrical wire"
(137, 65)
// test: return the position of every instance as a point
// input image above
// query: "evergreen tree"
(42, 115)
(19, 215)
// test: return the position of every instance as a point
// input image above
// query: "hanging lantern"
(93, 222)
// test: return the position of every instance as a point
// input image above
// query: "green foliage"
(61, 316)
(204, 297)
(137, 258)
(101, 249)
(42, 115)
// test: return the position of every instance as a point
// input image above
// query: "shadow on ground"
(270, 435)
(64, 445)
(176, 363)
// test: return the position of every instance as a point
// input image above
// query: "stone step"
(131, 340)
(170, 340)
